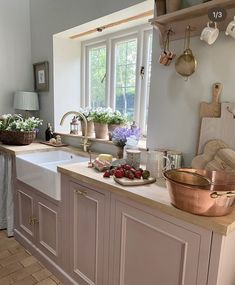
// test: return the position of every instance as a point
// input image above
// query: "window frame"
(141, 33)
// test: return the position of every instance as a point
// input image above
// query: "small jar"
(133, 157)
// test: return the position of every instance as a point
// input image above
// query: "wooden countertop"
(153, 195)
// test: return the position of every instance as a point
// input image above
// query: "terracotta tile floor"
(18, 267)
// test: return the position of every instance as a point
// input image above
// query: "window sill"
(141, 144)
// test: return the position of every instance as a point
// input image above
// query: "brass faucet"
(85, 143)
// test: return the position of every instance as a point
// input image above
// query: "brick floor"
(18, 267)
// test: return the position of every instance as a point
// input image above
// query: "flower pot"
(90, 128)
(17, 137)
(101, 131)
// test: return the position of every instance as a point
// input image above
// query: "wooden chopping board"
(55, 145)
(222, 128)
(212, 109)
(135, 182)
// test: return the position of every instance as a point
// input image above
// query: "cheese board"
(135, 182)
(212, 109)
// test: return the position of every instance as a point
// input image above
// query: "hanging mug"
(230, 31)
(210, 34)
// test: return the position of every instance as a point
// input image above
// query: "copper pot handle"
(217, 194)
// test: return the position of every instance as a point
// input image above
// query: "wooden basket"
(17, 137)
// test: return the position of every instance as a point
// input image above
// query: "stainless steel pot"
(214, 199)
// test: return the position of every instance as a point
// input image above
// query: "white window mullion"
(87, 85)
(144, 83)
(138, 79)
(112, 74)
(83, 76)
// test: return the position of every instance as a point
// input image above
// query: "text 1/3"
(217, 14)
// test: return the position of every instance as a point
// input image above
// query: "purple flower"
(120, 135)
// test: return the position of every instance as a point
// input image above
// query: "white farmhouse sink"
(39, 169)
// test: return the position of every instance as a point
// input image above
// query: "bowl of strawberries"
(127, 175)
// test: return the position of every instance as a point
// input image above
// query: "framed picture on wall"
(41, 76)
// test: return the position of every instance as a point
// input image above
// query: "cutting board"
(55, 145)
(135, 182)
(222, 128)
(212, 109)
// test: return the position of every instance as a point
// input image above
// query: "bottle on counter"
(48, 132)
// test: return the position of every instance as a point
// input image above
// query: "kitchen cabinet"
(196, 17)
(37, 219)
(87, 217)
(148, 248)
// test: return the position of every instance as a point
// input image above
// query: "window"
(96, 76)
(117, 72)
(125, 76)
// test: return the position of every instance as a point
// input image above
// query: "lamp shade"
(27, 101)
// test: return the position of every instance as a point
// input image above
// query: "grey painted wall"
(173, 115)
(15, 51)
(174, 103)
(49, 17)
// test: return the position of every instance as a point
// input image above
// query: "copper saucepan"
(201, 192)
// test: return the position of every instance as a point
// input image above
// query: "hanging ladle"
(186, 63)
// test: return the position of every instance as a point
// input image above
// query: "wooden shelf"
(195, 16)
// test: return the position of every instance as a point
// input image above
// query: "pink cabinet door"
(146, 249)
(48, 226)
(87, 219)
(24, 201)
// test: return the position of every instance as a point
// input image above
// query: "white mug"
(210, 34)
(230, 31)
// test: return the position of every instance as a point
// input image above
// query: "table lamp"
(27, 101)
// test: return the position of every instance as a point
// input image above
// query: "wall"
(174, 103)
(15, 51)
(54, 16)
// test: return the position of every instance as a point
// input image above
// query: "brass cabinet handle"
(30, 221)
(80, 192)
(33, 221)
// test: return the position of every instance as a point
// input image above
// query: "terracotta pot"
(90, 128)
(101, 131)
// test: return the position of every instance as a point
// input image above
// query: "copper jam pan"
(207, 193)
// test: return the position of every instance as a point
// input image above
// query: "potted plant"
(87, 112)
(120, 136)
(101, 118)
(116, 119)
(16, 130)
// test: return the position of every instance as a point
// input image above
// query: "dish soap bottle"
(48, 132)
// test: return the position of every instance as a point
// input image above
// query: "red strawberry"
(107, 174)
(138, 174)
(127, 167)
(131, 176)
(119, 173)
